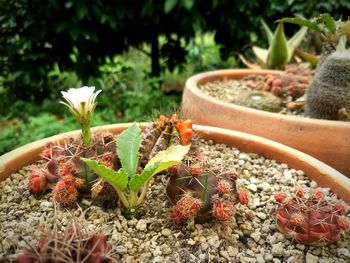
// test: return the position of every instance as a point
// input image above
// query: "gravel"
(235, 90)
(153, 239)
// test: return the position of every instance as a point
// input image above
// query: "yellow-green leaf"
(118, 180)
(128, 144)
(260, 56)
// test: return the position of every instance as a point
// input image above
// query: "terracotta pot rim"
(192, 83)
(314, 169)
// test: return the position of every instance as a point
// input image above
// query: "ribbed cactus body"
(330, 89)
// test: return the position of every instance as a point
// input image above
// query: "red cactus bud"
(243, 197)
(280, 197)
(188, 206)
(65, 191)
(319, 194)
(36, 180)
(267, 87)
(195, 169)
(277, 82)
(188, 123)
(223, 210)
(224, 187)
(173, 169)
(340, 208)
(343, 222)
(277, 90)
(66, 168)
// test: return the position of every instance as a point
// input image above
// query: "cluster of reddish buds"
(63, 169)
(293, 82)
(196, 191)
(310, 219)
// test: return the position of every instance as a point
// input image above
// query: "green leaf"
(117, 179)
(160, 162)
(311, 59)
(278, 52)
(128, 143)
(295, 41)
(268, 32)
(330, 23)
(188, 4)
(261, 55)
(169, 5)
(301, 22)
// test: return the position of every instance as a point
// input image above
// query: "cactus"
(293, 82)
(196, 191)
(261, 100)
(164, 132)
(65, 173)
(310, 220)
(329, 91)
(74, 245)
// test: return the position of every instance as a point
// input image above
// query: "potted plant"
(204, 190)
(327, 140)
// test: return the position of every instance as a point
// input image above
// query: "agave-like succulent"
(280, 50)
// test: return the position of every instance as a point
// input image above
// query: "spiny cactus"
(196, 191)
(65, 173)
(310, 220)
(329, 91)
(74, 245)
(165, 131)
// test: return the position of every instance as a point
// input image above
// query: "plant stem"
(144, 192)
(122, 197)
(86, 132)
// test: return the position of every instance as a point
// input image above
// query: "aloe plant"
(130, 186)
(280, 50)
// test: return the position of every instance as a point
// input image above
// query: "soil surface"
(250, 237)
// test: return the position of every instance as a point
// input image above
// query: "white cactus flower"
(81, 101)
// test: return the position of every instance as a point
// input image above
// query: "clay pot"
(328, 141)
(323, 174)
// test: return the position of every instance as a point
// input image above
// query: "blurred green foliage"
(50, 46)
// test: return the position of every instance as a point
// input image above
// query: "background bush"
(138, 52)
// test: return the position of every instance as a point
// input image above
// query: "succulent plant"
(164, 132)
(196, 191)
(310, 219)
(280, 51)
(329, 92)
(130, 182)
(260, 100)
(65, 173)
(330, 31)
(73, 245)
(293, 82)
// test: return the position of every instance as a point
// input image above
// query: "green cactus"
(261, 100)
(329, 92)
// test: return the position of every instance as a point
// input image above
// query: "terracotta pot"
(328, 141)
(323, 174)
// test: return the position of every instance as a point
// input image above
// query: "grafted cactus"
(65, 173)
(197, 191)
(310, 219)
(162, 133)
